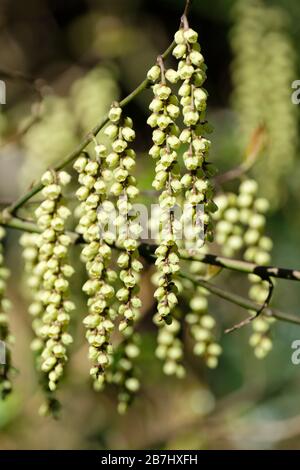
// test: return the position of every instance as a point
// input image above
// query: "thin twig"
(241, 301)
(160, 63)
(264, 272)
(187, 7)
(253, 317)
(147, 251)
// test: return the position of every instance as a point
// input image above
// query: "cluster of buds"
(201, 323)
(241, 223)
(254, 217)
(170, 349)
(260, 339)
(54, 271)
(167, 263)
(230, 229)
(165, 111)
(96, 254)
(122, 161)
(6, 339)
(34, 278)
(240, 227)
(123, 371)
(258, 251)
(193, 97)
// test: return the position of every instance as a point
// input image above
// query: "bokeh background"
(63, 64)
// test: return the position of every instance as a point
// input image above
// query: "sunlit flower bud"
(179, 51)
(48, 178)
(63, 178)
(186, 72)
(158, 136)
(172, 76)
(163, 92)
(119, 145)
(179, 37)
(196, 58)
(115, 113)
(100, 150)
(154, 73)
(191, 118)
(184, 90)
(52, 191)
(190, 35)
(156, 105)
(152, 120)
(128, 134)
(80, 164)
(111, 131)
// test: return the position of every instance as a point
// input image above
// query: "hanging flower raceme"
(193, 97)
(34, 278)
(165, 111)
(54, 272)
(93, 193)
(121, 160)
(258, 251)
(6, 339)
(201, 323)
(230, 229)
(124, 188)
(170, 348)
(123, 372)
(240, 227)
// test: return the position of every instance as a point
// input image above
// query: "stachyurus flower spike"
(193, 97)
(54, 272)
(6, 339)
(165, 111)
(93, 193)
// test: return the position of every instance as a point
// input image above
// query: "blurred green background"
(87, 53)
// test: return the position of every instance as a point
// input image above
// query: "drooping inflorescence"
(33, 281)
(6, 340)
(96, 254)
(240, 228)
(201, 323)
(124, 189)
(189, 191)
(170, 348)
(53, 271)
(193, 99)
(165, 111)
(124, 372)
(258, 250)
